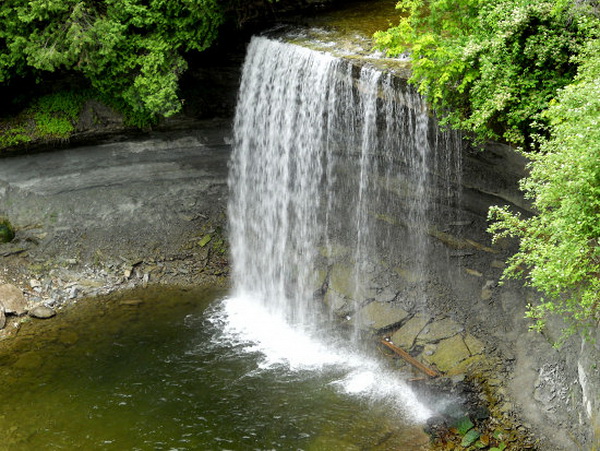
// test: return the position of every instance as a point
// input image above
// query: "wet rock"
(487, 290)
(34, 283)
(429, 349)
(473, 272)
(449, 353)
(2, 317)
(13, 300)
(359, 287)
(498, 264)
(334, 251)
(439, 330)
(379, 315)
(336, 302)
(405, 336)
(41, 312)
(475, 346)
(486, 294)
(408, 275)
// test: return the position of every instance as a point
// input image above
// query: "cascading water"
(321, 151)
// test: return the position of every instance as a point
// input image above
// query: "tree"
(130, 51)
(490, 67)
(559, 251)
(527, 72)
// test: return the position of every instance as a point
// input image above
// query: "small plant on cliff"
(7, 232)
(13, 135)
(55, 115)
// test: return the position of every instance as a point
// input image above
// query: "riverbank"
(95, 219)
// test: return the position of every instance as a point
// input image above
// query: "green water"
(347, 32)
(362, 17)
(145, 371)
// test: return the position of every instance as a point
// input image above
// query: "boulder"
(359, 287)
(439, 330)
(380, 315)
(41, 312)
(13, 300)
(449, 353)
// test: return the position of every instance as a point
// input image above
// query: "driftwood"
(410, 359)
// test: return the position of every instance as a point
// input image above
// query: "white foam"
(247, 324)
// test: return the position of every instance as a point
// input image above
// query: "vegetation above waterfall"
(56, 55)
(128, 53)
(492, 67)
(527, 73)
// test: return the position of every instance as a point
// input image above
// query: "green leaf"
(470, 438)
(464, 425)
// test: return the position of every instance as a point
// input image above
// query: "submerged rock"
(68, 337)
(13, 300)
(131, 302)
(29, 361)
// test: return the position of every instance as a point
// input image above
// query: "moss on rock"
(7, 232)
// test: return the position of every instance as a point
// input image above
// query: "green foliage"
(13, 136)
(7, 232)
(464, 425)
(50, 116)
(131, 51)
(490, 67)
(559, 250)
(55, 115)
(526, 72)
(470, 438)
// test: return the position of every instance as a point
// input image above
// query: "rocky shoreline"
(96, 219)
(26, 292)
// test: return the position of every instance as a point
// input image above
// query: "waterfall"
(303, 120)
(332, 163)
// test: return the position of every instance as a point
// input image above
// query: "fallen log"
(410, 359)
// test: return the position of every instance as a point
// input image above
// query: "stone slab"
(405, 336)
(381, 315)
(439, 330)
(449, 353)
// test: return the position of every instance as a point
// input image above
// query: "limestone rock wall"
(451, 310)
